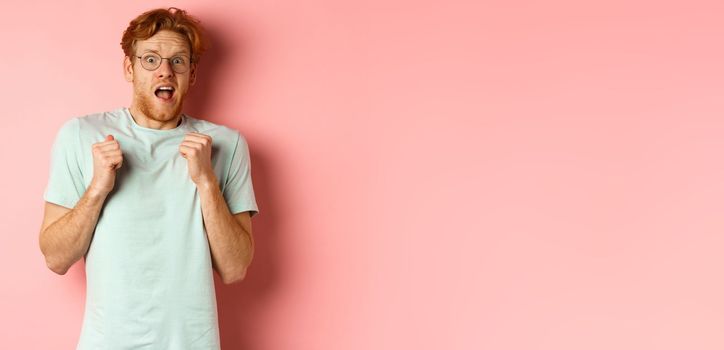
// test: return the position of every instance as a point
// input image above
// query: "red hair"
(149, 23)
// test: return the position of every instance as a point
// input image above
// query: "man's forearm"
(67, 239)
(231, 246)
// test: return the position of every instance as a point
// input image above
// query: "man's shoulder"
(219, 133)
(101, 117)
(80, 124)
(91, 122)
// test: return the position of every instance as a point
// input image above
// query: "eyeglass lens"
(151, 61)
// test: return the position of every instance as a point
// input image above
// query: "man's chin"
(170, 108)
(157, 109)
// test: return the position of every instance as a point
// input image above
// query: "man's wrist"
(208, 183)
(95, 194)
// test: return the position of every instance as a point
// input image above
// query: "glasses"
(151, 61)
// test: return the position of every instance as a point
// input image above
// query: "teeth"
(166, 88)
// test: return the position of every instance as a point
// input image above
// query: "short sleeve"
(65, 183)
(238, 189)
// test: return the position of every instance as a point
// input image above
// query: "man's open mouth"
(164, 92)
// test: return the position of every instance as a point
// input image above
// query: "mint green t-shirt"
(148, 268)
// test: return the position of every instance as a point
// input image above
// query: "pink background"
(467, 175)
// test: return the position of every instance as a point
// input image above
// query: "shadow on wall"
(241, 305)
(201, 94)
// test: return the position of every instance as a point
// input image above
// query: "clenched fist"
(196, 148)
(107, 158)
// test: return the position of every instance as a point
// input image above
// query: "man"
(153, 199)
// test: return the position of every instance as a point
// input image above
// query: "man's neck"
(146, 122)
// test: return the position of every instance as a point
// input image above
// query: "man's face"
(155, 104)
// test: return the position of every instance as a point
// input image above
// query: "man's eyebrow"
(158, 53)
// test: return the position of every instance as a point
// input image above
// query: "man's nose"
(165, 70)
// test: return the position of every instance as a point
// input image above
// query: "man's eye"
(150, 59)
(178, 60)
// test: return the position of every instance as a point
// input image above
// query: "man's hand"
(107, 158)
(196, 148)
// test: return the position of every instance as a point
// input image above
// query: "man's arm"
(230, 241)
(230, 238)
(65, 234)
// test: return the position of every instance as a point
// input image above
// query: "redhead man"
(152, 199)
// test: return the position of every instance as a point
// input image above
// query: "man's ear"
(192, 76)
(128, 69)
